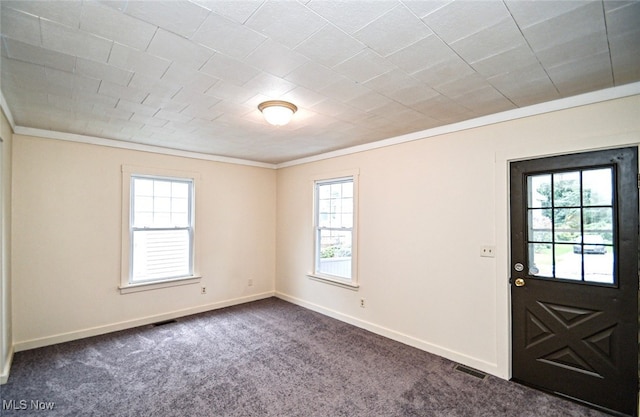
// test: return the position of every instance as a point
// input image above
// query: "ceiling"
(189, 75)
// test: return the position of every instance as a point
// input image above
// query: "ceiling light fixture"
(277, 112)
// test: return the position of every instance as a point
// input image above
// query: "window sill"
(147, 286)
(335, 281)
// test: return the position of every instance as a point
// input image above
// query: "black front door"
(574, 276)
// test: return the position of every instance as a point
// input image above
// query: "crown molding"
(112, 143)
(5, 109)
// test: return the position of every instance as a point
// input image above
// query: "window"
(159, 219)
(571, 229)
(334, 224)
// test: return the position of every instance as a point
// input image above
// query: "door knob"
(519, 282)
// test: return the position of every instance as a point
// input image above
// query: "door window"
(570, 225)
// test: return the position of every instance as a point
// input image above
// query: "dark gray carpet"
(266, 358)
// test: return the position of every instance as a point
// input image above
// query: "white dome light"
(277, 112)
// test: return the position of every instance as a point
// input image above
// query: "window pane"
(599, 221)
(598, 266)
(143, 187)
(566, 189)
(162, 204)
(162, 188)
(539, 187)
(597, 187)
(334, 253)
(540, 260)
(567, 225)
(160, 254)
(539, 225)
(180, 190)
(567, 265)
(347, 189)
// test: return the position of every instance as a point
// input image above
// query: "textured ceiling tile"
(312, 76)
(485, 100)
(228, 37)
(175, 48)
(136, 108)
(23, 75)
(422, 8)
(152, 85)
(67, 12)
(229, 69)
(364, 66)
(37, 55)
(506, 61)
(351, 16)
(593, 72)
(444, 109)
(460, 86)
(574, 50)
(321, 46)
(459, 19)
(489, 41)
(236, 10)
(583, 21)
(189, 78)
(626, 66)
(344, 89)
(412, 94)
(133, 60)
(269, 85)
(408, 30)
(422, 54)
(369, 101)
(529, 13)
(117, 91)
(444, 71)
(194, 98)
(275, 58)
(286, 22)
(303, 97)
(20, 26)
(178, 16)
(200, 112)
(391, 81)
(624, 19)
(173, 116)
(74, 41)
(230, 92)
(98, 70)
(112, 24)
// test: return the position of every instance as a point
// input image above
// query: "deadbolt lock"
(519, 282)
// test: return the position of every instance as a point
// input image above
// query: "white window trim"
(126, 287)
(352, 283)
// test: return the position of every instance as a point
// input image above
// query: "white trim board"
(4, 373)
(612, 93)
(476, 363)
(96, 331)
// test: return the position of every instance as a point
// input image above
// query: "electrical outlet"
(488, 251)
(250, 283)
(203, 290)
(362, 302)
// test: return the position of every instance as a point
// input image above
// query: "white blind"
(161, 229)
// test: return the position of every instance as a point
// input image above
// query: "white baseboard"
(95, 331)
(4, 374)
(479, 364)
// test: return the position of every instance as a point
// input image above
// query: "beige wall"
(6, 329)
(67, 240)
(426, 208)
